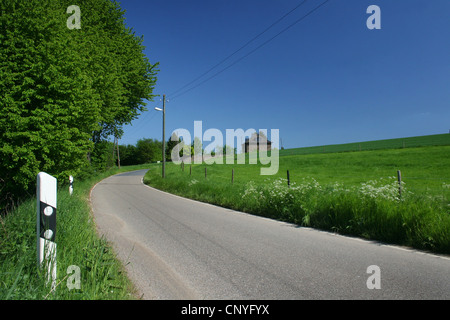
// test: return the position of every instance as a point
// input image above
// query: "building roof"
(256, 138)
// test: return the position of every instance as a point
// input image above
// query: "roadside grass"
(102, 276)
(352, 193)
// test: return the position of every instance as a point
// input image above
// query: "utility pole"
(114, 151)
(118, 154)
(164, 137)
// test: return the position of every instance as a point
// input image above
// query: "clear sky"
(328, 79)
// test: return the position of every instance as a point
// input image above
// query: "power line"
(249, 53)
(245, 45)
(238, 60)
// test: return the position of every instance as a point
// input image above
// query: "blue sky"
(326, 80)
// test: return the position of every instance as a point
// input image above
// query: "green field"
(400, 143)
(355, 193)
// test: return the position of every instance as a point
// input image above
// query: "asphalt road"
(176, 248)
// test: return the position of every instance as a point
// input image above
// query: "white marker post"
(70, 185)
(46, 224)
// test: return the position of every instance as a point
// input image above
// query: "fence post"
(399, 177)
(288, 179)
(70, 185)
(46, 224)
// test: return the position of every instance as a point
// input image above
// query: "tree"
(229, 151)
(128, 155)
(148, 150)
(171, 143)
(197, 148)
(102, 155)
(63, 90)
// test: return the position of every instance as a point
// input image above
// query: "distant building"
(257, 142)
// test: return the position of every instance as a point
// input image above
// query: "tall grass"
(349, 193)
(101, 275)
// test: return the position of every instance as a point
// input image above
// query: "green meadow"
(353, 193)
(399, 143)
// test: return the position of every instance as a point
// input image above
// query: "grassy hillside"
(353, 193)
(400, 143)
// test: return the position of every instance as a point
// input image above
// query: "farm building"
(257, 142)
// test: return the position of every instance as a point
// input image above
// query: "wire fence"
(431, 180)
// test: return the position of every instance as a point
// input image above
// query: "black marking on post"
(47, 222)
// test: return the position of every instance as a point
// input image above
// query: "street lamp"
(164, 135)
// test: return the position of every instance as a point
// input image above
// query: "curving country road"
(176, 248)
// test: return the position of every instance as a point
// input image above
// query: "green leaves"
(61, 90)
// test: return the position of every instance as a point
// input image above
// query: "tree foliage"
(148, 150)
(61, 89)
(171, 143)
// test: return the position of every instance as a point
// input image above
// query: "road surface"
(176, 248)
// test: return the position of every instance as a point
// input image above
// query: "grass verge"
(352, 193)
(102, 276)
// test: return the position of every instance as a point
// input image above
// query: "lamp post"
(164, 135)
